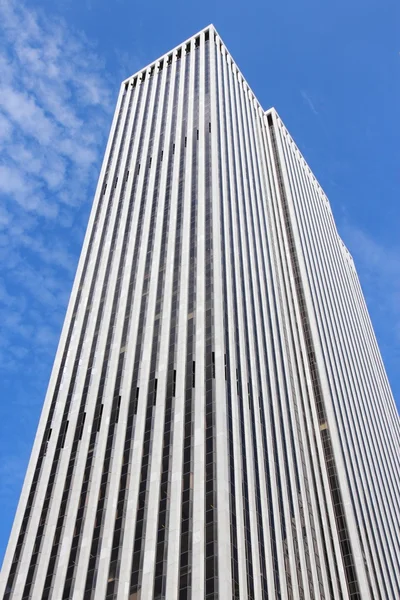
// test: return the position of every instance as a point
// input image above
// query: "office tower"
(218, 422)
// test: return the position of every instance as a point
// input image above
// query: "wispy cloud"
(55, 106)
(307, 98)
(378, 265)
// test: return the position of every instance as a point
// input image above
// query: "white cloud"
(55, 106)
(378, 265)
(307, 98)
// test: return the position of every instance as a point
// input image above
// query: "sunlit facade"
(218, 422)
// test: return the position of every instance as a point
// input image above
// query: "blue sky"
(331, 69)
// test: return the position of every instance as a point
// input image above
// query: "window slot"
(173, 148)
(162, 154)
(134, 82)
(161, 65)
(150, 161)
(197, 42)
(197, 134)
(151, 73)
(179, 53)
(213, 365)
(127, 175)
(207, 35)
(169, 60)
(46, 442)
(187, 49)
(104, 188)
(135, 406)
(126, 85)
(185, 142)
(174, 384)
(209, 127)
(83, 418)
(226, 367)
(64, 433)
(116, 181)
(99, 417)
(118, 407)
(193, 374)
(155, 392)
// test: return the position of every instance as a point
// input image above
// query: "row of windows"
(163, 513)
(185, 565)
(141, 515)
(321, 226)
(42, 452)
(74, 552)
(227, 373)
(61, 439)
(350, 572)
(232, 176)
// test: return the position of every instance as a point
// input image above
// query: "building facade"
(218, 422)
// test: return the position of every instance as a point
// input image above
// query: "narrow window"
(155, 392)
(126, 85)
(47, 442)
(185, 142)
(197, 134)
(173, 149)
(135, 406)
(174, 384)
(150, 161)
(226, 367)
(187, 48)
(152, 71)
(207, 35)
(197, 42)
(213, 365)
(179, 53)
(169, 60)
(64, 433)
(100, 416)
(209, 127)
(161, 65)
(118, 408)
(134, 82)
(194, 374)
(162, 154)
(81, 426)
(127, 175)
(104, 189)
(116, 181)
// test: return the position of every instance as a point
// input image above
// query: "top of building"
(183, 48)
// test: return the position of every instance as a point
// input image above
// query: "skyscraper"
(218, 422)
